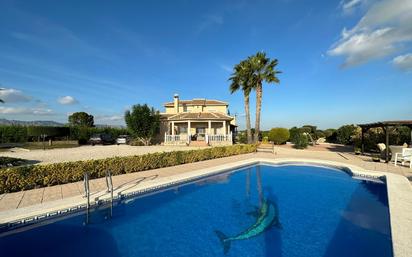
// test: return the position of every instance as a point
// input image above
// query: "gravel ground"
(87, 152)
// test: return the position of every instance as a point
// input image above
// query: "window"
(200, 130)
(182, 130)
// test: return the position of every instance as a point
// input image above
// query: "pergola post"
(410, 143)
(386, 128)
(363, 140)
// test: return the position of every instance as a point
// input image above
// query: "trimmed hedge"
(13, 134)
(37, 131)
(35, 176)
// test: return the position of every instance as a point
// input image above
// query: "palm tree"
(241, 80)
(1, 100)
(263, 69)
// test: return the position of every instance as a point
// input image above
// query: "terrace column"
(173, 128)
(363, 140)
(209, 128)
(224, 128)
(188, 128)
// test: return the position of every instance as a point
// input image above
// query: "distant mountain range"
(48, 123)
(30, 123)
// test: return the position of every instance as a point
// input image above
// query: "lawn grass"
(54, 145)
(40, 145)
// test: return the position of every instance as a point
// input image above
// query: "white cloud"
(11, 95)
(403, 62)
(67, 100)
(108, 118)
(27, 111)
(384, 29)
(349, 5)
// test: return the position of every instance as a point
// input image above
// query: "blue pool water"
(258, 211)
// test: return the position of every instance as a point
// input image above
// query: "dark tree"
(81, 119)
(143, 122)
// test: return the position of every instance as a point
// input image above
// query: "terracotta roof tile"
(200, 116)
(198, 102)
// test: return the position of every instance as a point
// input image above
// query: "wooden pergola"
(385, 125)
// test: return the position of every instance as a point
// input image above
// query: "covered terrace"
(386, 126)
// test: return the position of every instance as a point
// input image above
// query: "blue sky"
(342, 61)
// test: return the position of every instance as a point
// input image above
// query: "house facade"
(197, 122)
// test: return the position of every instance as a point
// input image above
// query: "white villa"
(197, 122)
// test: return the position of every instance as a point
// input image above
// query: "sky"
(342, 61)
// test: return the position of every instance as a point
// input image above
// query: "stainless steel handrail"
(109, 183)
(87, 188)
(87, 194)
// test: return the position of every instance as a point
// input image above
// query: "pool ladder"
(87, 195)
(109, 184)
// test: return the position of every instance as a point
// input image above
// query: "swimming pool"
(262, 210)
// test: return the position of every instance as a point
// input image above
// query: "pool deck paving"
(20, 205)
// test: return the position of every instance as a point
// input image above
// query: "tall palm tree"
(263, 69)
(1, 100)
(241, 80)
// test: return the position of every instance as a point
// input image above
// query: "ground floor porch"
(208, 132)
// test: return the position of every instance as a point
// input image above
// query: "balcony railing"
(220, 138)
(207, 138)
(175, 138)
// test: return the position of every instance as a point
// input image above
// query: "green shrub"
(300, 141)
(242, 137)
(345, 134)
(35, 176)
(330, 135)
(319, 134)
(293, 132)
(279, 135)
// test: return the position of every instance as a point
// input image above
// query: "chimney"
(176, 103)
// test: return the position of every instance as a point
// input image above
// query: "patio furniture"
(394, 149)
(382, 150)
(405, 156)
(386, 126)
